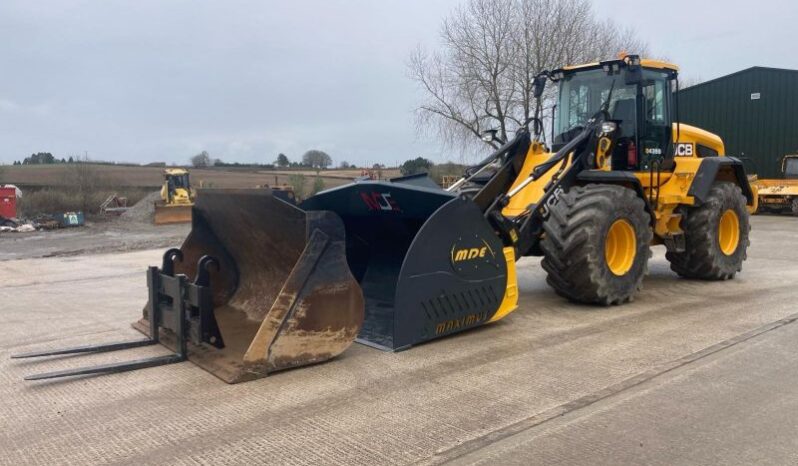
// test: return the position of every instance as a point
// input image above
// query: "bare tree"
(85, 184)
(316, 159)
(203, 159)
(282, 160)
(491, 51)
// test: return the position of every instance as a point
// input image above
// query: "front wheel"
(716, 236)
(596, 244)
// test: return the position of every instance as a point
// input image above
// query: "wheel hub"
(620, 247)
(729, 232)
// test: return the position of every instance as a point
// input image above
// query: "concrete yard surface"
(691, 372)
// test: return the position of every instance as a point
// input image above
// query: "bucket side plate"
(454, 276)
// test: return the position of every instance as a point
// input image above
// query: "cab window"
(791, 168)
(578, 106)
(654, 102)
(584, 93)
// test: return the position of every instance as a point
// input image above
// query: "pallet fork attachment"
(271, 291)
(175, 303)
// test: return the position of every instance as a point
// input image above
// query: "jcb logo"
(380, 201)
(552, 201)
(469, 253)
(684, 149)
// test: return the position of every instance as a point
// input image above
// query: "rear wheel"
(716, 236)
(596, 244)
(794, 205)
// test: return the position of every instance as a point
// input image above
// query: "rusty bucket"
(283, 295)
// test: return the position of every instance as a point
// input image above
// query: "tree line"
(316, 159)
(42, 158)
(313, 158)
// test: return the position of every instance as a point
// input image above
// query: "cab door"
(654, 121)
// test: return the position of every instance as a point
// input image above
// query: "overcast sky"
(161, 80)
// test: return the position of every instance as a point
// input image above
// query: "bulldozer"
(780, 195)
(262, 285)
(177, 198)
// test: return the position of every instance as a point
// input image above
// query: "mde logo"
(380, 202)
(469, 254)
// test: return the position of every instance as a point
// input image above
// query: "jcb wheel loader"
(625, 175)
(399, 262)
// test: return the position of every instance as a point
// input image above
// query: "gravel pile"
(144, 210)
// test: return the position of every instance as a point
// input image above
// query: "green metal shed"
(754, 111)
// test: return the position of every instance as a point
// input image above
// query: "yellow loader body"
(177, 198)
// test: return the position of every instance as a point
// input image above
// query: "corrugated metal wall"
(763, 129)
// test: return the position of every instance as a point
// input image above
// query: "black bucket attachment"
(428, 262)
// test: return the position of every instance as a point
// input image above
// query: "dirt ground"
(105, 236)
(691, 372)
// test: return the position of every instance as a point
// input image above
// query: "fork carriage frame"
(183, 307)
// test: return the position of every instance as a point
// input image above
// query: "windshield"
(582, 95)
(791, 168)
(179, 181)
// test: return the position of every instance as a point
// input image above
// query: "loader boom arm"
(523, 232)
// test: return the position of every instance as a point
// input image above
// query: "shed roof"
(746, 70)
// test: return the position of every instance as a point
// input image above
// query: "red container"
(8, 202)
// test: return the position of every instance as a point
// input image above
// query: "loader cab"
(789, 167)
(639, 97)
(176, 187)
(177, 181)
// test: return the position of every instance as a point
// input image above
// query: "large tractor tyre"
(596, 244)
(716, 236)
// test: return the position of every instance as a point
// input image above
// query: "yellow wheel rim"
(729, 232)
(620, 247)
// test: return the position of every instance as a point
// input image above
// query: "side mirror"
(633, 73)
(538, 85)
(490, 136)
